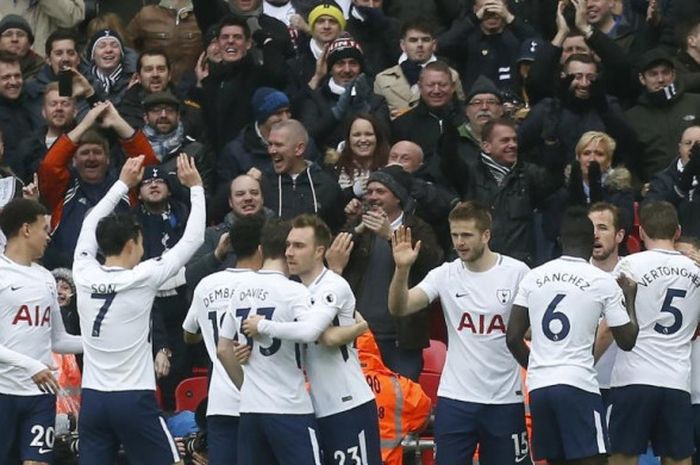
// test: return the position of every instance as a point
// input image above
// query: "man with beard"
(608, 235)
(663, 112)
(16, 120)
(59, 115)
(557, 123)
(480, 385)
(154, 74)
(167, 134)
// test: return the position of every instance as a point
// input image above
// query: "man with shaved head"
(296, 185)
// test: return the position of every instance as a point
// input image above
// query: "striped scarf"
(108, 80)
(499, 172)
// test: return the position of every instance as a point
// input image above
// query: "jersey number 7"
(108, 298)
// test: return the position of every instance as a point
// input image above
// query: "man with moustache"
(479, 388)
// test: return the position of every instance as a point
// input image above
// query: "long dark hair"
(380, 157)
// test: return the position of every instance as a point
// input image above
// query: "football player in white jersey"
(31, 327)
(114, 303)
(690, 247)
(608, 235)
(343, 402)
(650, 398)
(211, 299)
(481, 399)
(277, 423)
(564, 300)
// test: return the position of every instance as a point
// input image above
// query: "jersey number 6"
(552, 314)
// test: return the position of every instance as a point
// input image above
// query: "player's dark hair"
(153, 52)
(491, 125)
(659, 220)
(419, 23)
(322, 233)
(245, 234)
(60, 34)
(18, 212)
(115, 230)
(692, 241)
(472, 211)
(274, 238)
(608, 207)
(576, 233)
(234, 21)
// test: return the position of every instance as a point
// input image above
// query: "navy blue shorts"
(28, 427)
(567, 423)
(278, 439)
(641, 414)
(351, 436)
(696, 430)
(130, 418)
(222, 439)
(499, 430)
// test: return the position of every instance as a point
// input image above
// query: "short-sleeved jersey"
(210, 301)
(337, 382)
(668, 305)
(114, 303)
(479, 368)
(27, 304)
(695, 368)
(565, 299)
(273, 379)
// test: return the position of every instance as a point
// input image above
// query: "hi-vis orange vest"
(68, 378)
(402, 406)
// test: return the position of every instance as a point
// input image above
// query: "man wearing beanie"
(16, 37)
(399, 84)
(308, 67)
(343, 93)
(388, 205)
(110, 73)
(168, 136)
(44, 17)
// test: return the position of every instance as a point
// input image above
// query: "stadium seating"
(190, 392)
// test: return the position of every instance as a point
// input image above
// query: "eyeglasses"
(157, 110)
(149, 181)
(492, 102)
(15, 33)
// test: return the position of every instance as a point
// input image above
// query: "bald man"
(407, 154)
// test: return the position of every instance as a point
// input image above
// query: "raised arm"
(403, 301)
(130, 176)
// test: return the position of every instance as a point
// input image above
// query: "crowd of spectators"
(369, 113)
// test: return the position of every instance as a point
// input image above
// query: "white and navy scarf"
(108, 80)
(499, 172)
(164, 144)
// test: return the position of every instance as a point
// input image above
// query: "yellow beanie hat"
(327, 9)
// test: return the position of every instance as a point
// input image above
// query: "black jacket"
(379, 37)
(313, 191)
(16, 123)
(663, 187)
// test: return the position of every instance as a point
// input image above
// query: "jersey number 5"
(108, 298)
(551, 314)
(674, 311)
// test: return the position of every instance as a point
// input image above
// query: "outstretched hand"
(405, 253)
(187, 172)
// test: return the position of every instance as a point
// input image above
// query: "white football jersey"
(668, 305)
(565, 299)
(479, 368)
(337, 381)
(695, 368)
(28, 310)
(273, 380)
(114, 304)
(211, 299)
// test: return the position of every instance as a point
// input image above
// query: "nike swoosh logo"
(458, 295)
(44, 451)
(15, 288)
(520, 459)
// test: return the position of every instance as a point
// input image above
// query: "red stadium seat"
(429, 382)
(634, 241)
(434, 357)
(190, 392)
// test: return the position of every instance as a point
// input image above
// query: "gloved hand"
(363, 94)
(575, 188)
(598, 98)
(595, 183)
(691, 169)
(340, 109)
